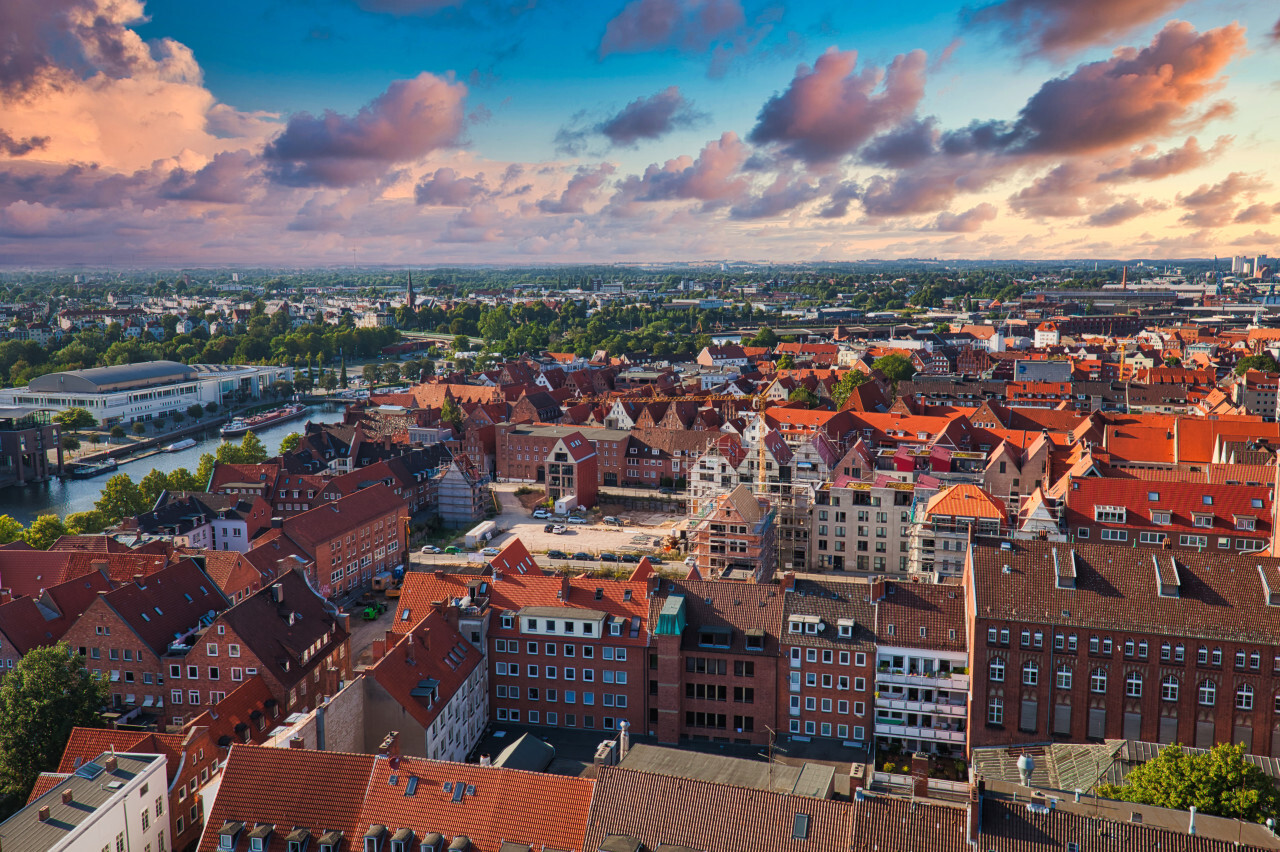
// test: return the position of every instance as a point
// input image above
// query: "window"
(1255, 660)
(1169, 688)
(1133, 685)
(1128, 648)
(1208, 694)
(1026, 639)
(997, 670)
(1098, 680)
(1244, 697)
(995, 712)
(1064, 676)
(1030, 673)
(1166, 652)
(1202, 656)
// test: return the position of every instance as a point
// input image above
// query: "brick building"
(285, 633)
(352, 538)
(522, 451)
(573, 470)
(734, 537)
(1090, 642)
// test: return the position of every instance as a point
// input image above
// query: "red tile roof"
(434, 650)
(966, 501)
(1180, 499)
(28, 624)
(314, 527)
(168, 602)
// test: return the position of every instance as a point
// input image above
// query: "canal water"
(66, 496)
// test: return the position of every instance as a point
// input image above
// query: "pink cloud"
(1121, 212)
(1184, 158)
(21, 147)
(406, 122)
(650, 117)
(967, 222)
(1211, 206)
(446, 188)
(582, 187)
(1260, 213)
(712, 177)
(829, 110)
(1062, 27)
(688, 25)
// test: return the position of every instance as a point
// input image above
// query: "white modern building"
(116, 801)
(144, 391)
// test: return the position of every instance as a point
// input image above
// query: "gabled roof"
(166, 603)
(312, 528)
(433, 652)
(966, 501)
(32, 622)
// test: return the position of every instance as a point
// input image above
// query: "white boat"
(177, 446)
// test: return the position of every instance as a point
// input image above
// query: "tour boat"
(241, 425)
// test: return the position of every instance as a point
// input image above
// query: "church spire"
(410, 294)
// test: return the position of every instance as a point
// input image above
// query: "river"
(66, 496)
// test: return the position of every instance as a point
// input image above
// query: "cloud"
(227, 179)
(21, 147)
(713, 177)
(1122, 211)
(651, 118)
(1062, 191)
(905, 145)
(1260, 213)
(688, 25)
(1184, 158)
(1134, 96)
(406, 122)
(582, 187)
(445, 188)
(1059, 28)
(785, 193)
(1211, 206)
(837, 206)
(829, 110)
(1274, 35)
(967, 222)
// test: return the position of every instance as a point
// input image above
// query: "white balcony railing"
(937, 734)
(934, 680)
(902, 704)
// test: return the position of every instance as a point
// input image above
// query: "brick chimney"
(974, 811)
(297, 742)
(43, 813)
(564, 588)
(920, 775)
(390, 748)
(788, 581)
(67, 796)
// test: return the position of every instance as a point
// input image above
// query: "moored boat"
(241, 425)
(176, 446)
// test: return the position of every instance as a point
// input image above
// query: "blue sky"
(553, 130)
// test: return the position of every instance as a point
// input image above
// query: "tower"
(410, 293)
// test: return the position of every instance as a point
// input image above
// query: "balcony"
(887, 729)
(933, 680)
(907, 706)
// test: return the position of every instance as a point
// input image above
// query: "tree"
(895, 366)
(370, 374)
(391, 374)
(1263, 363)
(47, 694)
(117, 431)
(44, 531)
(121, 498)
(329, 381)
(1219, 782)
(211, 407)
(342, 376)
(195, 411)
(764, 337)
(85, 523)
(803, 394)
(139, 427)
(844, 388)
(204, 470)
(151, 487)
(290, 442)
(183, 480)
(10, 529)
(787, 361)
(75, 419)
(255, 452)
(70, 443)
(450, 413)
(461, 343)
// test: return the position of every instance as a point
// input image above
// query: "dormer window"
(1202, 519)
(796, 626)
(1162, 518)
(1246, 522)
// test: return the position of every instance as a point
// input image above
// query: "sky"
(418, 132)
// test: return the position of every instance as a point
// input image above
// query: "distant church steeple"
(410, 302)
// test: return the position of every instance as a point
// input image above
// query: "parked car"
(541, 514)
(430, 548)
(655, 560)
(666, 489)
(612, 519)
(575, 519)
(631, 558)
(559, 529)
(549, 528)
(691, 561)
(557, 554)
(608, 557)
(491, 551)
(452, 549)
(582, 557)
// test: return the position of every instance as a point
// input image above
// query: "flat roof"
(91, 786)
(809, 779)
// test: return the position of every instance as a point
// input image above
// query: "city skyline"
(481, 131)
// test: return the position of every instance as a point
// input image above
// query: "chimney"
(920, 775)
(485, 760)
(877, 590)
(1191, 826)
(67, 797)
(6, 595)
(44, 813)
(297, 742)
(974, 811)
(377, 650)
(390, 748)
(277, 593)
(788, 581)
(112, 763)
(624, 738)
(564, 588)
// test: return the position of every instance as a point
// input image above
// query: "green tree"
(117, 431)
(342, 376)
(370, 374)
(75, 419)
(391, 374)
(787, 361)
(461, 343)
(204, 470)
(85, 523)
(139, 428)
(10, 529)
(850, 380)
(803, 394)
(895, 366)
(764, 337)
(70, 443)
(452, 414)
(44, 531)
(195, 411)
(121, 498)
(152, 485)
(329, 381)
(1263, 363)
(47, 694)
(255, 452)
(182, 479)
(290, 442)
(1219, 782)
(211, 407)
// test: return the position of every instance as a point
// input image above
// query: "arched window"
(1098, 680)
(1208, 693)
(1169, 688)
(1244, 697)
(1064, 676)
(1030, 673)
(1133, 685)
(997, 670)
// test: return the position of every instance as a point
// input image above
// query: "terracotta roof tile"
(434, 650)
(168, 602)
